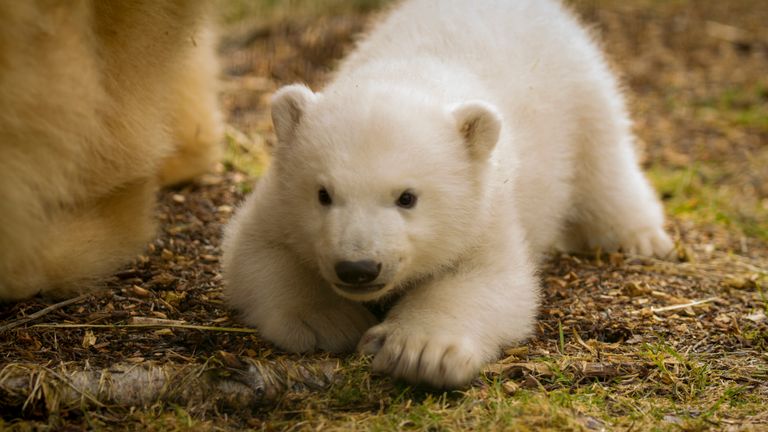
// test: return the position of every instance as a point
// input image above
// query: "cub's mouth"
(360, 289)
(366, 292)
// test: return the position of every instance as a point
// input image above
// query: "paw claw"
(646, 242)
(440, 361)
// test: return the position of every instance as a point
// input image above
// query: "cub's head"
(380, 187)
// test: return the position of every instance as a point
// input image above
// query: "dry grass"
(624, 343)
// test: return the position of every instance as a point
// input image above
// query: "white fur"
(503, 118)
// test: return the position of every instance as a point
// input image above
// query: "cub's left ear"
(479, 125)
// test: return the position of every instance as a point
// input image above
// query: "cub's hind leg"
(614, 205)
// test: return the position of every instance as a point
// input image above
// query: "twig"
(149, 325)
(42, 312)
(683, 306)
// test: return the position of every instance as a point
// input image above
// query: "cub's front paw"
(336, 329)
(438, 359)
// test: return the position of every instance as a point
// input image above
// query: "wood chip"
(139, 291)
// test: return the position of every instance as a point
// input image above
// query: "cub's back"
(522, 39)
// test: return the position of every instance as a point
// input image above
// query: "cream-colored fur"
(100, 102)
(504, 121)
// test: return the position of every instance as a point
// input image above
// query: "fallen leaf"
(89, 339)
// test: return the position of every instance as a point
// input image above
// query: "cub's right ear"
(288, 106)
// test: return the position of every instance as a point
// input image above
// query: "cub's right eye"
(324, 197)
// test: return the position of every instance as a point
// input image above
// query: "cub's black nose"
(357, 272)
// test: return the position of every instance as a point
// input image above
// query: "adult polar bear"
(100, 101)
(456, 144)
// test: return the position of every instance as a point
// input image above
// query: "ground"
(623, 343)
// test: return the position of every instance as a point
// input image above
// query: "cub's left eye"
(406, 200)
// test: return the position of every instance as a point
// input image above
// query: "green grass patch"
(738, 106)
(701, 192)
(245, 155)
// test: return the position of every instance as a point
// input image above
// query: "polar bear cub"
(457, 143)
